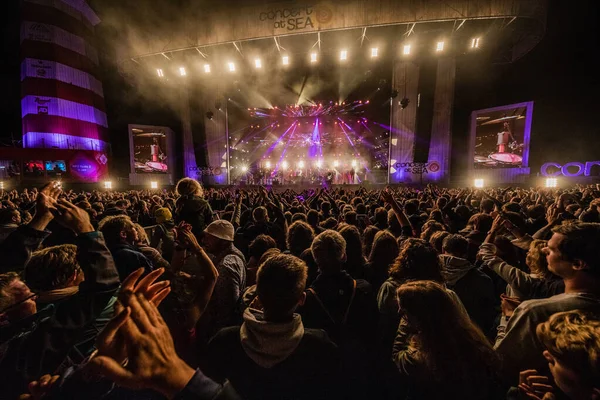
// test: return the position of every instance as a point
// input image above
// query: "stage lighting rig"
(285, 60)
(404, 102)
(210, 115)
(206, 68)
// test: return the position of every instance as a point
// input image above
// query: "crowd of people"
(395, 293)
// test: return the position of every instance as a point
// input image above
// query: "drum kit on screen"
(510, 153)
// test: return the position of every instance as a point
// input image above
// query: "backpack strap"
(345, 317)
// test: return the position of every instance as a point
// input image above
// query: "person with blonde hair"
(191, 206)
(572, 342)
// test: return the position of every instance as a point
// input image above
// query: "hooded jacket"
(274, 360)
(474, 288)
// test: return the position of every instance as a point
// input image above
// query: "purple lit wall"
(62, 101)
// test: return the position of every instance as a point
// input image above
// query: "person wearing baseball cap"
(231, 265)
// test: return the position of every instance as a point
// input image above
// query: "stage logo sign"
(419, 167)
(571, 169)
(297, 18)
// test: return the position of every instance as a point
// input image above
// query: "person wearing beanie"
(231, 266)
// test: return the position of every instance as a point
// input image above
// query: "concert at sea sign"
(571, 169)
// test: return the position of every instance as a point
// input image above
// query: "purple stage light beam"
(281, 158)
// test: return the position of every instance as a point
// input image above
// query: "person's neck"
(582, 284)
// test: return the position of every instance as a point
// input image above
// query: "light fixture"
(182, 71)
(354, 163)
(206, 68)
(319, 164)
(257, 63)
(478, 183)
(406, 49)
(551, 182)
(313, 57)
(343, 55)
(300, 164)
(268, 164)
(244, 168)
(231, 67)
(285, 60)
(160, 73)
(440, 46)
(475, 43)
(154, 185)
(336, 163)
(107, 185)
(374, 52)
(284, 165)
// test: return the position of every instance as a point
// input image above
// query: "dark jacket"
(128, 259)
(474, 288)
(195, 211)
(42, 346)
(16, 249)
(308, 372)
(350, 324)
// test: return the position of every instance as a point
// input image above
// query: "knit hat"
(221, 229)
(163, 215)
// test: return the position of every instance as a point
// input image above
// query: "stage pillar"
(190, 168)
(405, 81)
(216, 130)
(438, 168)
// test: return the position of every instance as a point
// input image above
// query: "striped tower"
(62, 100)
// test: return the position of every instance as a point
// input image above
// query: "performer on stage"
(504, 138)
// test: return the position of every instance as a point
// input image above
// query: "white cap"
(221, 229)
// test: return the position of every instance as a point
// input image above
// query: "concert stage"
(295, 90)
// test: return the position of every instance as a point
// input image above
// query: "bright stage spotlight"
(257, 63)
(319, 164)
(244, 168)
(354, 163)
(300, 164)
(182, 71)
(284, 165)
(153, 185)
(107, 185)
(336, 163)
(231, 67)
(475, 43)
(285, 60)
(551, 182)
(478, 183)
(207, 68)
(160, 73)
(440, 46)
(313, 57)
(406, 49)
(343, 55)
(268, 164)
(374, 52)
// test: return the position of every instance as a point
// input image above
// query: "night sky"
(559, 75)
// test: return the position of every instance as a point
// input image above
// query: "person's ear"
(302, 299)
(123, 234)
(579, 265)
(549, 357)
(344, 258)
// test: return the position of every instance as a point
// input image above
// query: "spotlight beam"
(295, 125)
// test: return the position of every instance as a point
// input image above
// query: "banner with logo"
(62, 108)
(39, 32)
(42, 69)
